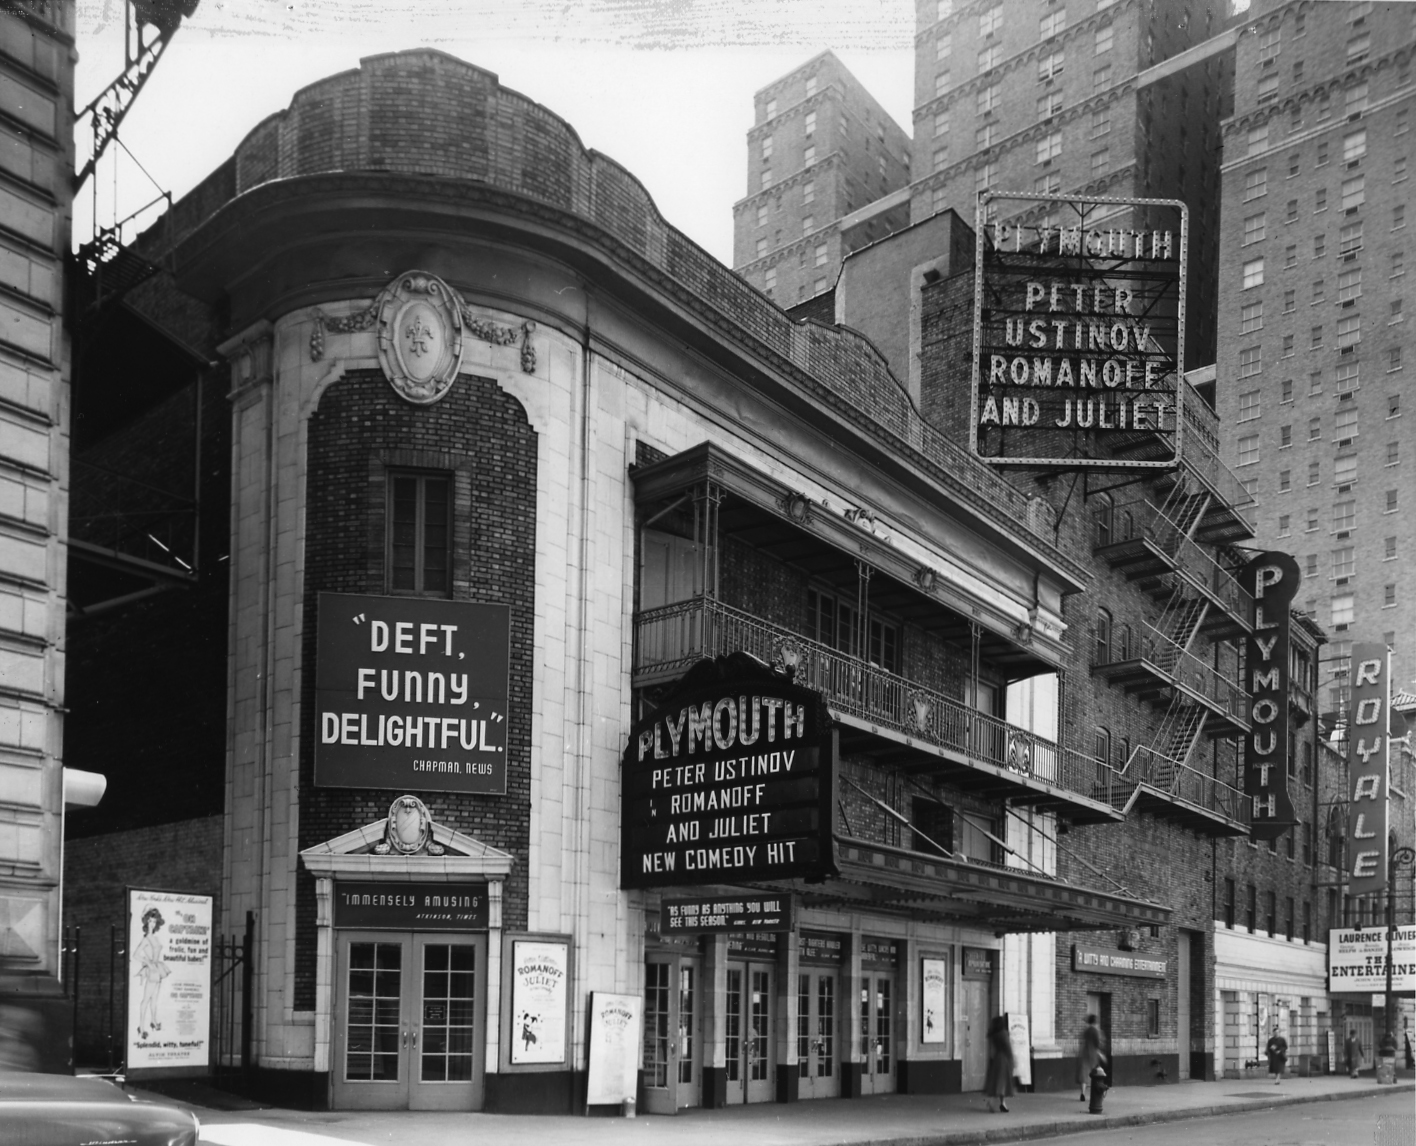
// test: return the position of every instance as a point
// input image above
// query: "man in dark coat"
(1352, 1051)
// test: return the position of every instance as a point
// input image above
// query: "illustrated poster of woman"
(151, 972)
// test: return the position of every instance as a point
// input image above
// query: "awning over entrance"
(1004, 900)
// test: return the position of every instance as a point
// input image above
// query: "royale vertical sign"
(1272, 579)
(1079, 328)
(731, 779)
(1367, 763)
(411, 693)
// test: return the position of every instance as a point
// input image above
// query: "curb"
(1034, 1130)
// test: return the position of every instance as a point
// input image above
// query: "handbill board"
(1357, 959)
(1079, 330)
(1272, 579)
(933, 999)
(169, 983)
(540, 974)
(1367, 769)
(730, 779)
(411, 693)
(615, 1032)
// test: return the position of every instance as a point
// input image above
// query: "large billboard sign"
(1079, 330)
(731, 779)
(411, 694)
(1272, 580)
(1357, 959)
(1367, 748)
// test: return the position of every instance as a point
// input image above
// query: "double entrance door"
(877, 1033)
(409, 1021)
(818, 1039)
(749, 1053)
(673, 1033)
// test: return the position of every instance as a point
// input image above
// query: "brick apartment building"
(827, 172)
(1314, 374)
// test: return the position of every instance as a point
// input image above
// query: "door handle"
(405, 1036)
(415, 1038)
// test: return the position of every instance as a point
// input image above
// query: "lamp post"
(1400, 857)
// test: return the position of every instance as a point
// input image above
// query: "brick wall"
(183, 856)
(480, 434)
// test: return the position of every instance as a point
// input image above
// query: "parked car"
(60, 1110)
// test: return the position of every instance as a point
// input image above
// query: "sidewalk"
(888, 1120)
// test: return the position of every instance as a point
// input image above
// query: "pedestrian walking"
(1277, 1050)
(1352, 1049)
(1090, 1055)
(998, 1083)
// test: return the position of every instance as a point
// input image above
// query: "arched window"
(1102, 652)
(1102, 511)
(1103, 745)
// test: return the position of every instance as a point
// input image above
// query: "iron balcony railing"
(1164, 658)
(1184, 784)
(668, 640)
(1199, 566)
(1200, 455)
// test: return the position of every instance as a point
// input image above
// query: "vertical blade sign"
(1367, 749)
(1273, 580)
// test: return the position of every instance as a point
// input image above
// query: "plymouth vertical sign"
(1272, 579)
(731, 779)
(411, 694)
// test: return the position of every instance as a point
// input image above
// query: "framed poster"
(540, 970)
(615, 1022)
(169, 983)
(1020, 1035)
(934, 995)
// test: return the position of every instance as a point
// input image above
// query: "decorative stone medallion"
(419, 336)
(409, 829)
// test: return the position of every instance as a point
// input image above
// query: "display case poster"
(614, 1048)
(169, 982)
(539, 971)
(1020, 1035)
(934, 980)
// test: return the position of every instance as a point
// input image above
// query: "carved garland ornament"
(421, 322)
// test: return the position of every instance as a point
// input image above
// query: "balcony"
(1300, 702)
(883, 715)
(1173, 791)
(1162, 667)
(1164, 561)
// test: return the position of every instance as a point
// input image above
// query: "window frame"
(421, 478)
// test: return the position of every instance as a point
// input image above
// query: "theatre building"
(597, 626)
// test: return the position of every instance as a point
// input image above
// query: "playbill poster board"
(1020, 1035)
(539, 972)
(1357, 959)
(934, 980)
(169, 983)
(615, 1022)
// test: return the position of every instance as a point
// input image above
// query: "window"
(1346, 424)
(943, 46)
(1101, 654)
(808, 224)
(1105, 36)
(1250, 363)
(1268, 88)
(808, 192)
(1101, 745)
(1101, 78)
(1393, 454)
(1347, 376)
(1298, 73)
(1290, 298)
(1101, 125)
(933, 825)
(767, 177)
(1051, 65)
(1398, 169)
(941, 82)
(1350, 238)
(1316, 340)
(1356, 98)
(1398, 216)
(1398, 264)
(1354, 192)
(1285, 525)
(1229, 902)
(1344, 515)
(1285, 440)
(1341, 609)
(990, 20)
(820, 255)
(1251, 907)
(1049, 104)
(761, 248)
(1390, 501)
(1251, 317)
(1319, 292)
(1285, 394)
(1153, 1018)
(1358, 47)
(1248, 449)
(769, 280)
(1253, 274)
(1349, 331)
(1269, 45)
(1310, 566)
(1271, 906)
(419, 532)
(990, 57)
(1049, 183)
(1290, 256)
(1253, 224)
(1051, 24)
(1288, 340)
(1293, 162)
(941, 123)
(1288, 902)
(1314, 472)
(1354, 145)
(1393, 359)
(1257, 139)
(809, 123)
(1311, 523)
(1389, 596)
(1324, 114)
(987, 98)
(1255, 184)
(766, 147)
(1290, 215)
(1319, 200)
(1049, 146)
(1393, 406)
(1307, 906)
(1103, 514)
(1100, 160)
(1344, 561)
(810, 85)
(1389, 550)
(1315, 429)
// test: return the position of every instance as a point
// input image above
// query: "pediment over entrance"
(354, 854)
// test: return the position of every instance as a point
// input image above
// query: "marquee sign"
(1079, 330)
(1367, 769)
(1272, 579)
(411, 694)
(1357, 959)
(732, 778)
(1113, 961)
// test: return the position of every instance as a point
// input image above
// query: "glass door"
(748, 1041)
(974, 1042)
(818, 1074)
(877, 1033)
(672, 1034)
(408, 1023)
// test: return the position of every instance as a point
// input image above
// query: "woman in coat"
(999, 1081)
(1089, 1054)
(1277, 1052)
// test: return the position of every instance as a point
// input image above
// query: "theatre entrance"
(749, 1037)
(673, 1032)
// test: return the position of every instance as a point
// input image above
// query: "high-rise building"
(1106, 98)
(1313, 386)
(820, 151)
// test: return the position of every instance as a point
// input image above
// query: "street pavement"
(887, 1120)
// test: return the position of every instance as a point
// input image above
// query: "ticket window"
(409, 1030)
(749, 1037)
(673, 1033)
(818, 1033)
